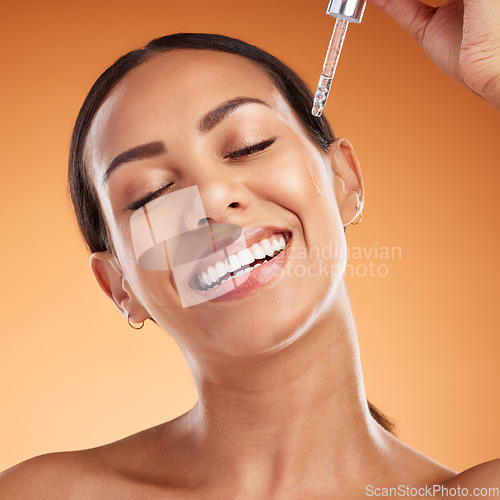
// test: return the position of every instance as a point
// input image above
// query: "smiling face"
(216, 121)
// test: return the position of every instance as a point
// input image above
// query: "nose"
(222, 195)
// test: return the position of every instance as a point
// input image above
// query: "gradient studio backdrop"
(72, 373)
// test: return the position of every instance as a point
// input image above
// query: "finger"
(412, 15)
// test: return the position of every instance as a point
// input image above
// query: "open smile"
(245, 270)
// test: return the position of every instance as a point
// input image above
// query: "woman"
(282, 410)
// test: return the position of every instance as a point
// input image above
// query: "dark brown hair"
(83, 195)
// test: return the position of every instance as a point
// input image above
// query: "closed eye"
(248, 150)
(150, 196)
(240, 153)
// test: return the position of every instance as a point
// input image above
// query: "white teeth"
(245, 257)
(257, 251)
(212, 273)
(206, 278)
(233, 263)
(221, 269)
(267, 247)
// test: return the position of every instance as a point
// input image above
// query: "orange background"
(74, 375)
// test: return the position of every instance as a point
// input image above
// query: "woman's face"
(283, 184)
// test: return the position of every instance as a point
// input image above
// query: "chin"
(274, 324)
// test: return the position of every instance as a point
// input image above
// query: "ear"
(114, 284)
(348, 182)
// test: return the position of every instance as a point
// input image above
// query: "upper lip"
(250, 235)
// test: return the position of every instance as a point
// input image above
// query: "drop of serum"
(314, 178)
(329, 66)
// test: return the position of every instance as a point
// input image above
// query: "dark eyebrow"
(207, 123)
(138, 153)
(214, 117)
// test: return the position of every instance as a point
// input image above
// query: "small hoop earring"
(132, 326)
(360, 219)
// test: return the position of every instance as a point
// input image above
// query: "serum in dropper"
(346, 11)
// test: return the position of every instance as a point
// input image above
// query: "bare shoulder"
(121, 468)
(485, 475)
(46, 476)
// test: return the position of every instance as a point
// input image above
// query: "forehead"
(164, 98)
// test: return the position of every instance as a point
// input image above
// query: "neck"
(292, 413)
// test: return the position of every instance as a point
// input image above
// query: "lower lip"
(240, 286)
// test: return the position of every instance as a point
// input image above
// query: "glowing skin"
(282, 407)
(272, 187)
(282, 411)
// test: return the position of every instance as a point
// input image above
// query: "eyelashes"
(254, 148)
(146, 199)
(240, 153)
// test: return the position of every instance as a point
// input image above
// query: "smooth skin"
(282, 409)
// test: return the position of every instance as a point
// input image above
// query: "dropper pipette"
(329, 66)
(345, 11)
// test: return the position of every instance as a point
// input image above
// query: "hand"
(462, 37)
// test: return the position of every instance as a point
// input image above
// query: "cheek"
(153, 287)
(297, 181)
(302, 182)
(122, 240)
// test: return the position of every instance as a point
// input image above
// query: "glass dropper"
(329, 66)
(345, 12)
